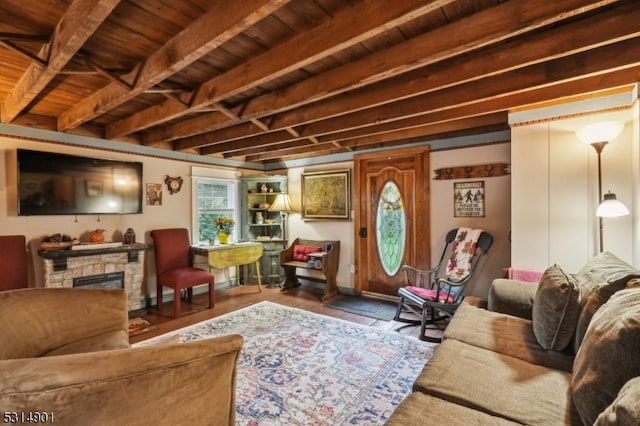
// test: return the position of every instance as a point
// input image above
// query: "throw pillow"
(300, 252)
(625, 410)
(601, 277)
(555, 309)
(608, 357)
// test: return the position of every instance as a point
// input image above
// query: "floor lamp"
(598, 136)
(282, 204)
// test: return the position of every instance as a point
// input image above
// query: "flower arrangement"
(224, 225)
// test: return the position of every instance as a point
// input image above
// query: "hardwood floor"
(230, 299)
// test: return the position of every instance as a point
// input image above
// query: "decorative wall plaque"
(468, 199)
(471, 172)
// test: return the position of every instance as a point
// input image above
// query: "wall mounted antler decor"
(471, 172)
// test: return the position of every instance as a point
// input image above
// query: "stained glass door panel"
(390, 228)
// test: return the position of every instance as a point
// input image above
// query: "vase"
(259, 218)
(97, 236)
(223, 238)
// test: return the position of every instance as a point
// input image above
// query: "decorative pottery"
(259, 218)
(97, 236)
(223, 238)
(130, 236)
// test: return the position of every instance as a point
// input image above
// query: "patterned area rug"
(301, 368)
(139, 325)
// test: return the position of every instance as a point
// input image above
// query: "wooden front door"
(391, 217)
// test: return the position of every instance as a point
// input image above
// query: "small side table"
(227, 255)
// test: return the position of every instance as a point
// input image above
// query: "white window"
(214, 198)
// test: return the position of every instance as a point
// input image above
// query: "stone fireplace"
(114, 267)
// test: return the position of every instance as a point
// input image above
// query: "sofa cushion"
(118, 339)
(498, 384)
(624, 410)
(555, 309)
(420, 409)
(512, 297)
(36, 321)
(300, 252)
(608, 357)
(504, 334)
(601, 277)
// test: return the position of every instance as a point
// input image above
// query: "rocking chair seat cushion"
(428, 294)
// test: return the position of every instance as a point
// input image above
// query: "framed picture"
(468, 199)
(154, 194)
(326, 195)
(94, 188)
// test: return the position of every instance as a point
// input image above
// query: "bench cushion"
(300, 252)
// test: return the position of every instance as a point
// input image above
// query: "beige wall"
(496, 221)
(176, 209)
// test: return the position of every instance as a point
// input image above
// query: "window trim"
(195, 225)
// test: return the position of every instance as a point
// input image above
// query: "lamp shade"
(604, 131)
(282, 203)
(611, 207)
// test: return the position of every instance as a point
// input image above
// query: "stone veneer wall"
(86, 266)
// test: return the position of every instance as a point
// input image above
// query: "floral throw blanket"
(463, 249)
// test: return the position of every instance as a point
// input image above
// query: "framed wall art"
(154, 194)
(468, 199)
(94, 188)
(326, 195)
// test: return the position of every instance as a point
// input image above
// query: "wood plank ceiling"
(270, 80)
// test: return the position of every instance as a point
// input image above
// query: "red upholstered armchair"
(174, 267)
(13, 262)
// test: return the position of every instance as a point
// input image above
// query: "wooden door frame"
(420, 197)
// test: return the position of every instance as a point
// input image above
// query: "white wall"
(555, 191)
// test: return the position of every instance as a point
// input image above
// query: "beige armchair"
(65, 352)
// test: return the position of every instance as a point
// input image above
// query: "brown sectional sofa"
(563, 352)
(65, 359)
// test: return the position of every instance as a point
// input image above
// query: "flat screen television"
(61, 184)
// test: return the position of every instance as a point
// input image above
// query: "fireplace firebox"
(110, 280)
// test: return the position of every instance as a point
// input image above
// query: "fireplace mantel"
(59, 257)
(61, 267)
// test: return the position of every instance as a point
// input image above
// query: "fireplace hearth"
(114, 267)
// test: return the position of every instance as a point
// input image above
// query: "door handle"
(363, 232)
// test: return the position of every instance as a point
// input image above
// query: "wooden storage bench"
(295, 259)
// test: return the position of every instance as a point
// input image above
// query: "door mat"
(384, 311)
(139, 325)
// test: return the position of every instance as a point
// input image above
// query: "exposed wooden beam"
(580, 36)
(571, 75)
(80, 21)
(378, 134)
(481, 29)
(440, 80)
(350, 26)
(222, 22)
